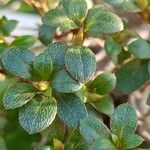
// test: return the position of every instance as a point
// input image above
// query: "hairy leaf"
(132, 141)
(124, 121)
(105, 105)
(42, 67)
(18, 95)
(46, 34)
(64, 83)
(17, 61)
(57, 51)
(38, 115)
(93, 128)
(81, 63)
(58, 18)
(102, 144)
(75, 9)
(100, 20)
(71, 109)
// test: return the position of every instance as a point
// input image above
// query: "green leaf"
(38, 115)
(18, 95)
(71, 109)
(92, 128)
(125, 5)
(112, 48)
(57, 51)
(102, 144)
(100, 20)
(132, 141)
(25, 41)
(105, 105)
(46, 34)
(81, 63)
(132, 76)
(64, 83)
(104, 83)
(58, 18)
(7, 26)
(124, 121)
(75, 9)
(140, 49)
(17, 61)
(42, 67)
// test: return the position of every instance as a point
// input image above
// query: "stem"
(78, 36)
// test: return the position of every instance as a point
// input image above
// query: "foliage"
(57, 94)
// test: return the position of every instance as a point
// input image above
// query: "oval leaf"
(36, 116)
(58, 18)
(57, 51)
(17, 61)
(75, 9)
(42, 67)
(64, 83)
(46, 34)
(18, 95)
(71, 109)
(100, 20)
(140, 49)
(104, 83)
(81, 63)
(131, 76)
(124, 121)
(92, 128)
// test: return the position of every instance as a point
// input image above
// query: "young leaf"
(124, 121)
(104, 83)
(112, 48)
(126, 5)
(100, 20)
(75, 9)
(18, 95)
(17, 61)
(58, 18)
(105, 105)
(26, 41)
(71, 109)
(42, 67)
(131, 76)
(38, 115)
(132, 141)
(81, 63)
(64, 83)
(57, 51)
(93, 128)
(140, 49)
(102, 144)
(46, 34)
